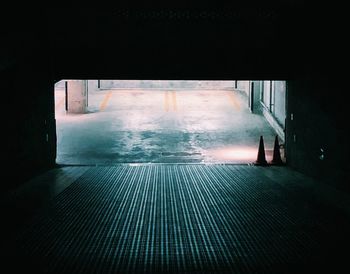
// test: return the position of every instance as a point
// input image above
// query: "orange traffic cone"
(276, 158)
(261, 160)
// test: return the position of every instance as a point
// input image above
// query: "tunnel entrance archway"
(148, 121)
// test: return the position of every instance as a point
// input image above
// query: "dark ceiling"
(273, 39)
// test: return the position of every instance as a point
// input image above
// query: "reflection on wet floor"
(156, 126)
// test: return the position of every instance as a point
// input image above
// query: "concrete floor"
(161, 126)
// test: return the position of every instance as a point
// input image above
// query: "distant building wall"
(165, 84)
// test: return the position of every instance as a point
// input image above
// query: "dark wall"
(317, 140)
(274, 40)
(28, 128)
(28, 125)
(317, 137)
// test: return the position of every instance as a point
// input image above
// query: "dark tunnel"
(158, 200)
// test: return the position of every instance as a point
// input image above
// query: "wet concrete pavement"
(161, 126)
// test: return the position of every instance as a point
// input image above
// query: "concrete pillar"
(76, 96)
(254, 96)
(251, 96)
(244, 86)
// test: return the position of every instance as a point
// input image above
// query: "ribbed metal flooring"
(171, 219)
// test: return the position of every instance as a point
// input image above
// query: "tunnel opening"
(101, 122)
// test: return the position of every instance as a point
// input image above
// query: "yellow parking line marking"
(60, 103)
(105, 100)
(173, 93)
(234, 101)
(166, 101)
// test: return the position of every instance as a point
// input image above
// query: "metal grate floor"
(173, 219)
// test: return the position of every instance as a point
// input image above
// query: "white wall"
(280, 101)
(243, 86)
(165, 84)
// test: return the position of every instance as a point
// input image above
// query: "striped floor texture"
(172, 219)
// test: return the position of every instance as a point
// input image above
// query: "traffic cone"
(276, 158)
(261, 160)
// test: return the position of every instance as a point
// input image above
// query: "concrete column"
(76, 96)
(244, 86)
(254, 96)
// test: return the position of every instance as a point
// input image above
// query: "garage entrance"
(124, 121)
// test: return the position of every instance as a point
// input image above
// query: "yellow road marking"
(60, 103)
(170, 100)
(173, 93)
(234, 101)
(166, 101)
(105, 100)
